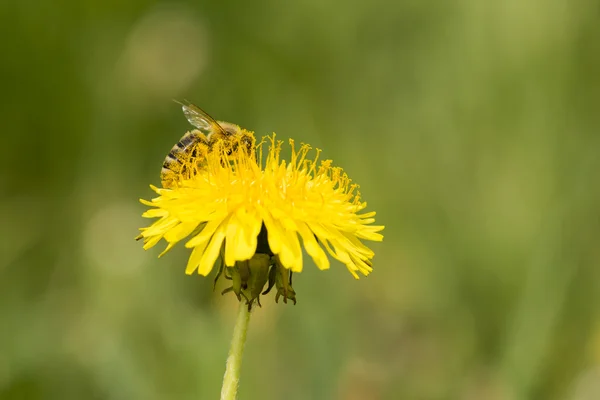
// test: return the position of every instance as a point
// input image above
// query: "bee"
(197, 143)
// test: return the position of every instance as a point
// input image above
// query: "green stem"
(234, 360)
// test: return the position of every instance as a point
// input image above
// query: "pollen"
(238, 194)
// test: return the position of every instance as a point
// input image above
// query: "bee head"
(231, 129)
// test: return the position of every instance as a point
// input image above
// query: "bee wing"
(200, 119)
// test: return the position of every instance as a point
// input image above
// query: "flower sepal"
(281, 277)
(249, 277)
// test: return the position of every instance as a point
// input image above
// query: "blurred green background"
(471, 126)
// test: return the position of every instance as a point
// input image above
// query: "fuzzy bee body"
(197, 143)
(175, 162)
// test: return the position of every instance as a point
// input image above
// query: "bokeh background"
(471, 126)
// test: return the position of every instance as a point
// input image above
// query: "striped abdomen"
(175, 162)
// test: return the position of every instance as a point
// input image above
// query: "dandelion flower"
(234, 201)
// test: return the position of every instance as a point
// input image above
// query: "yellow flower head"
(230, 198)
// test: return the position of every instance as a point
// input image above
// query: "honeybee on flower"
(195, 143)
(246, 209)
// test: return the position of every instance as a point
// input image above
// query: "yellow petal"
(180, 231)
(313, 248)
(155, 213)
(291, 252)
(242, 233)
(195, 258)
(212, 252)
(205, 234)
(160, 227)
